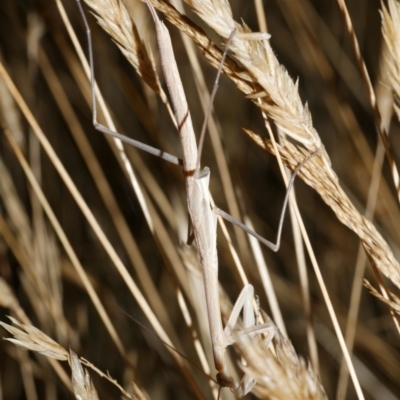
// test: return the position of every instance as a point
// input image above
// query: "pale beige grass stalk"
(25, 262)
(267, 83)
(282, 103)
(36, 258)
(385, 104)
(102, 9)
(213, 132)
(9, 300)
(103, 185)
(97, 228)
(326, 183)
(393, 302)
(308, 16)
(283, 375)
(92, 220)
(287, 111)
(30, 338)
(391, 34)
(372, 97)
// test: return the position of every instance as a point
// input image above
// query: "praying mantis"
(203, 217)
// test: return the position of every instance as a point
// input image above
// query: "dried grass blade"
(81, 383)
(104, 188)
(393, 304)
(284, 375)
(371, 93)
(31, 338)
(326, 183)
(391, 35)
(136, 293)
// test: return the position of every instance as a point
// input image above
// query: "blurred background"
(311, 41)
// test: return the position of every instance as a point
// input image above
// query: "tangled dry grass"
(91, 231)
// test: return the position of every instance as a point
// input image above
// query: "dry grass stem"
(372, 97)
(90, 226)
(114, 18)
(81, 382)
(282, 374)
(323, 179)
(393, 303)
(31, 338)
(391, 34)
